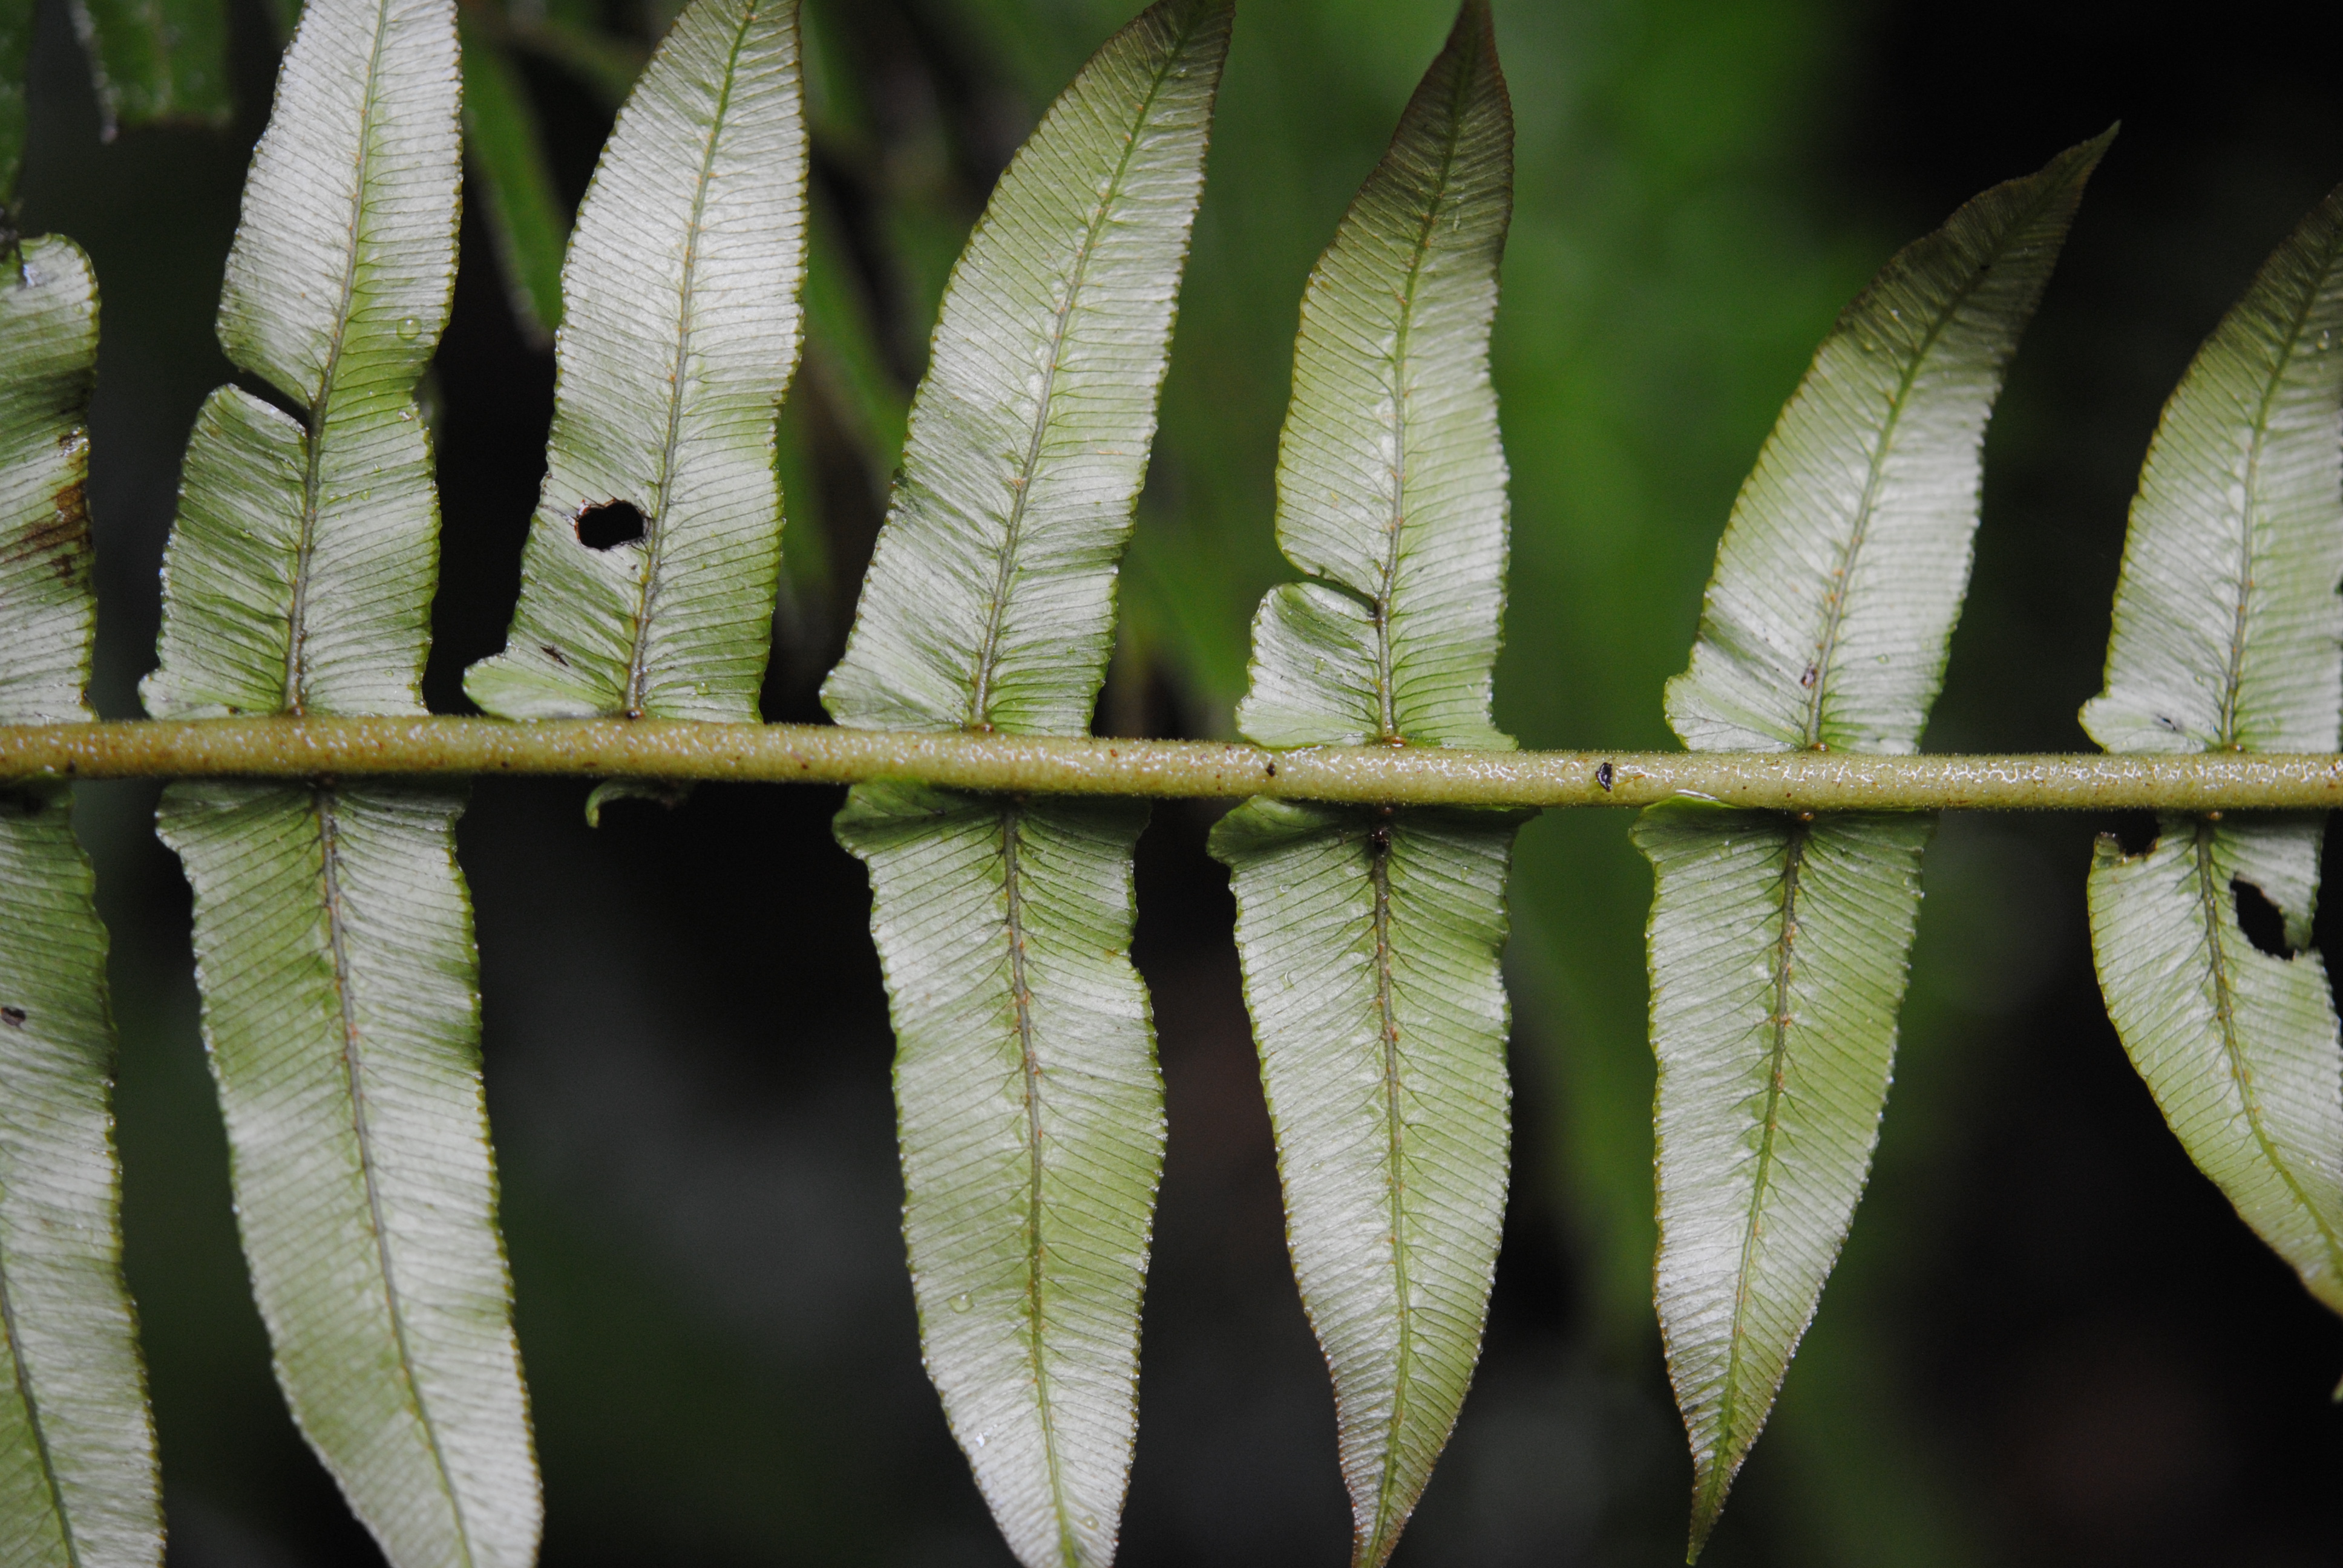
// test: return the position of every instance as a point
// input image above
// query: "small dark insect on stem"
(12, 1016)
(1603, 776)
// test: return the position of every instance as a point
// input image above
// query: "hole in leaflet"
(2260, 919)
(608, 525)
(2135, 832)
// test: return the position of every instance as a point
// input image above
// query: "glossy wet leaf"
(78, 1487)
(156, 62)
(680, 333)
(333, 934)
(1031, 1111)
(1778, 948)
(513, 183)
(2227, 638)
(1371, 941)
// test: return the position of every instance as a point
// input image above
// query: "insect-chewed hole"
(608, 525)
(2135, 832)
(2260, 919)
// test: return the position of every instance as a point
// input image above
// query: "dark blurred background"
(2049, 1340)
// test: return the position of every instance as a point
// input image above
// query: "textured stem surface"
(1163, 769)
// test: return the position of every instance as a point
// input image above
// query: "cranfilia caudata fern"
(2228, 636)
(78, 1481)
(333, 934)
(1031, 1109)
(649, 578)
(1369, 935)
(1778, 944)
(314, 798)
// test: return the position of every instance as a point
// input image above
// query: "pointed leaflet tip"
(1371, 941)
(1029, 1108)
(333, 937)
(1779, 949)
(989, 601)
(1843, 568)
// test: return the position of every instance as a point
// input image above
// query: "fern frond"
(2228, 638)
(77, 1478)
(333, 936)
(680, 334)
(1371, 937)
(1779, 946)
(1031, 1111)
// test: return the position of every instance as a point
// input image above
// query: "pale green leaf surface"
(1032, 1122)
(334, 950)
(1848, 555)
(1779, 950)
(156, 62)
(2227, 622)
(2239, 1046)
(680, 333)
(1370, 951)
(1391, 477)
(299, 576)
(513, 182)
(340, 276)
(333, 934)
(990, 597)
(1371, 941)
(78, 1479)
(1031, 1109)
(2228, 636)
(49, 359)
(271, 607)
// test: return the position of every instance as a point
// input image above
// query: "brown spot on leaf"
(61, 537)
